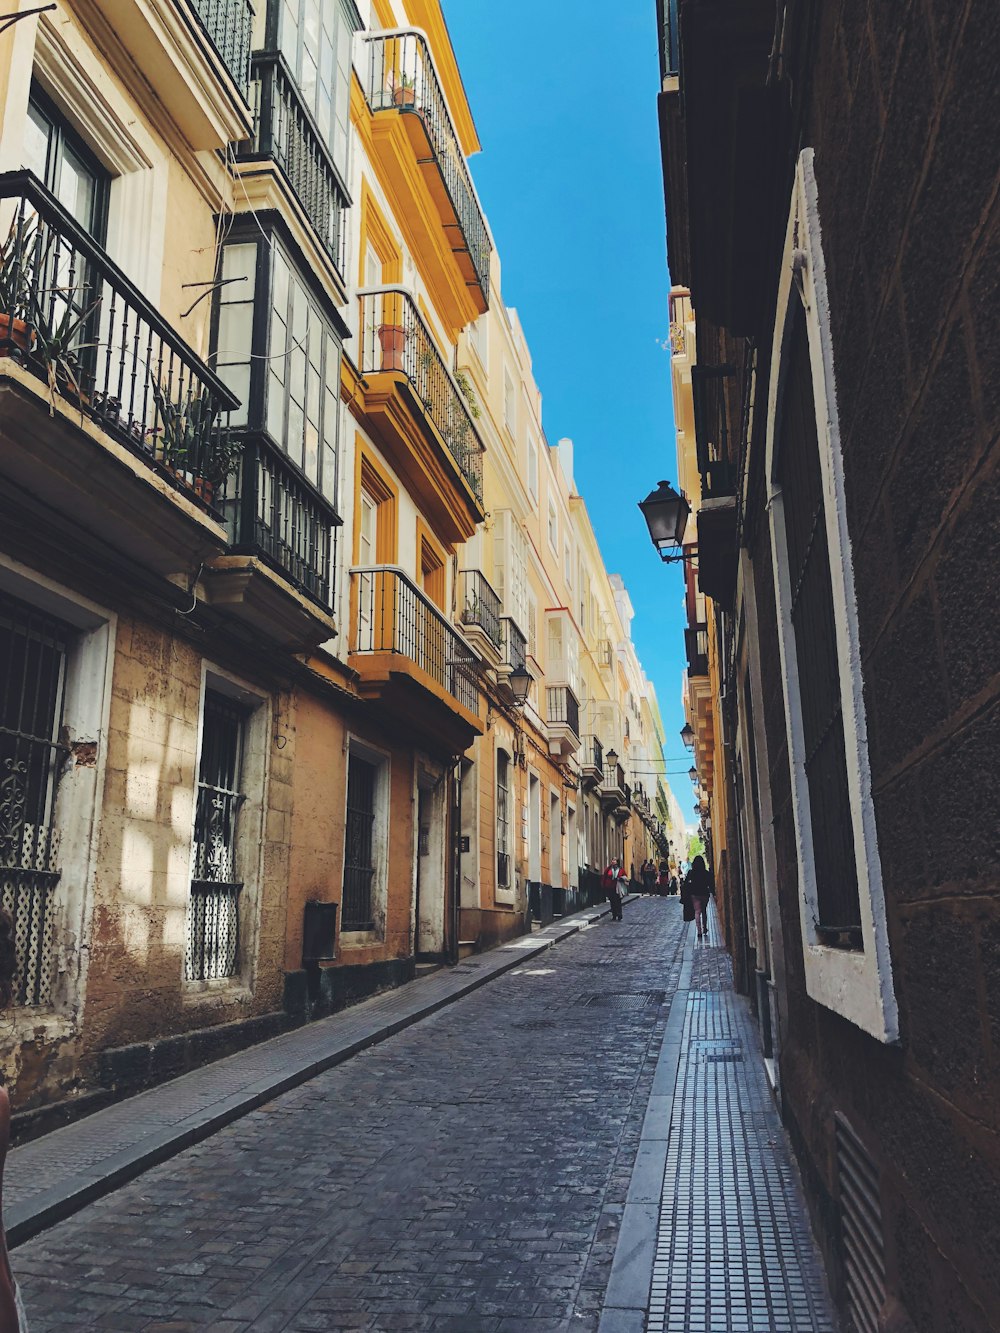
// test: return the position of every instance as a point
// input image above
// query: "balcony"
(107, 416)
(614, 791)
(418, 414)
(418, 150)
(696, 648)
(412, 661)
(480, 615)
(562, 720)
(279, 525)
(286, 134)
(195, 57)
(592, 760)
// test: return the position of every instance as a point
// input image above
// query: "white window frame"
(382, 761)
(858, 985)
(552, 526)
(255, 767)
(509, 401)
(533, 466)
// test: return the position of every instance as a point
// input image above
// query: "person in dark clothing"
(698, 886)
(648, 877)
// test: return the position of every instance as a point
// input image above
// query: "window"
(510, 567)
(842, 906)
(213, 910)
(503, 820)
(568, 563)
(797, 471)
(285, 357)
(553, 525)
(509, 403)
(66, 166)
(533, 466)
(431, 568)
(357, 908)
(479, 340)
(33, 651)
(532, 626)
(315, 37)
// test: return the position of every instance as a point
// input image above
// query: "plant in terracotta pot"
(15, 331)
(393, 340)
(192, 448)
(55, 328)
(404, 92)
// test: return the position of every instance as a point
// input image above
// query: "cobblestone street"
(469, 1173)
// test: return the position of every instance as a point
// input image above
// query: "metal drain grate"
(534, 1024)
(625, 999)
(861, 1230)
(717, 1050)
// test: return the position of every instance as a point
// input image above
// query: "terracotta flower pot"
(205, 490)
(393, 340)
(404, 96)
(14, 331)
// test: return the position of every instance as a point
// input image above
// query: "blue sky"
(564, 97)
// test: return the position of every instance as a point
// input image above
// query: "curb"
(43, 1210)
(626, 1300)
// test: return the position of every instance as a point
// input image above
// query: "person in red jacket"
(614, 888)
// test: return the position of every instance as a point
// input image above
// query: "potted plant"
(15, 331)
(191, 447)
(393, 339)
(404, 92)
(53, 341)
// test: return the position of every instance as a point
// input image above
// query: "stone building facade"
(832, 207)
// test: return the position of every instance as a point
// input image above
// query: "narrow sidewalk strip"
(52, 1177)
(715, 1234)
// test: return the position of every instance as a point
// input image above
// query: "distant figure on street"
(673, 883)
(698, 886)
(12, 1319)
(648, 877)
(613, 883)
(663, 879)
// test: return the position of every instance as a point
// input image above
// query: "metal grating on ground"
(734, 1247)
(625, 999)
(534, 1024)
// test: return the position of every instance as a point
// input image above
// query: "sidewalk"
(715, 1237)
(52, 1177)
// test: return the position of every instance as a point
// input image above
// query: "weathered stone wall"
(903, 111)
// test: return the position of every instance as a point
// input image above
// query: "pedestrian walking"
(698, 884)
(648, 877)
(12, 1318)
(663, 879)
(613, 884)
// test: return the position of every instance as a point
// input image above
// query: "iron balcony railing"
(285, 132)
(514, 643)
(279, 515)
(402, 78)
(394, 337)
(593, 754)
(696, 647)
(562, 708)
(229, 24)
(395, 616)
(670, 37)
(614, 779)
(73, 318)
(503, 870)
(480, 605)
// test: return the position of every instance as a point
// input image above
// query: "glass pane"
(37, 132)
(76, 189)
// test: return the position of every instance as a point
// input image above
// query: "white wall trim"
(857, 985)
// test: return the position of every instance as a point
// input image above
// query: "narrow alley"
(475, 1172)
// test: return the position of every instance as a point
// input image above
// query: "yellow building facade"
(279, 524)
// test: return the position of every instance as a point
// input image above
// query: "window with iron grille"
(213, 923)
(798, 471)
(503, 819)
(32, 675)
(356, 911)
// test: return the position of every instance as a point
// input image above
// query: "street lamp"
(612, 758)
(519, 682)
(666, 512)
(687, 735)
(693, 774)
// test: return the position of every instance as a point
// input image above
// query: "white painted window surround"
(70, 73)
(856, 984)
